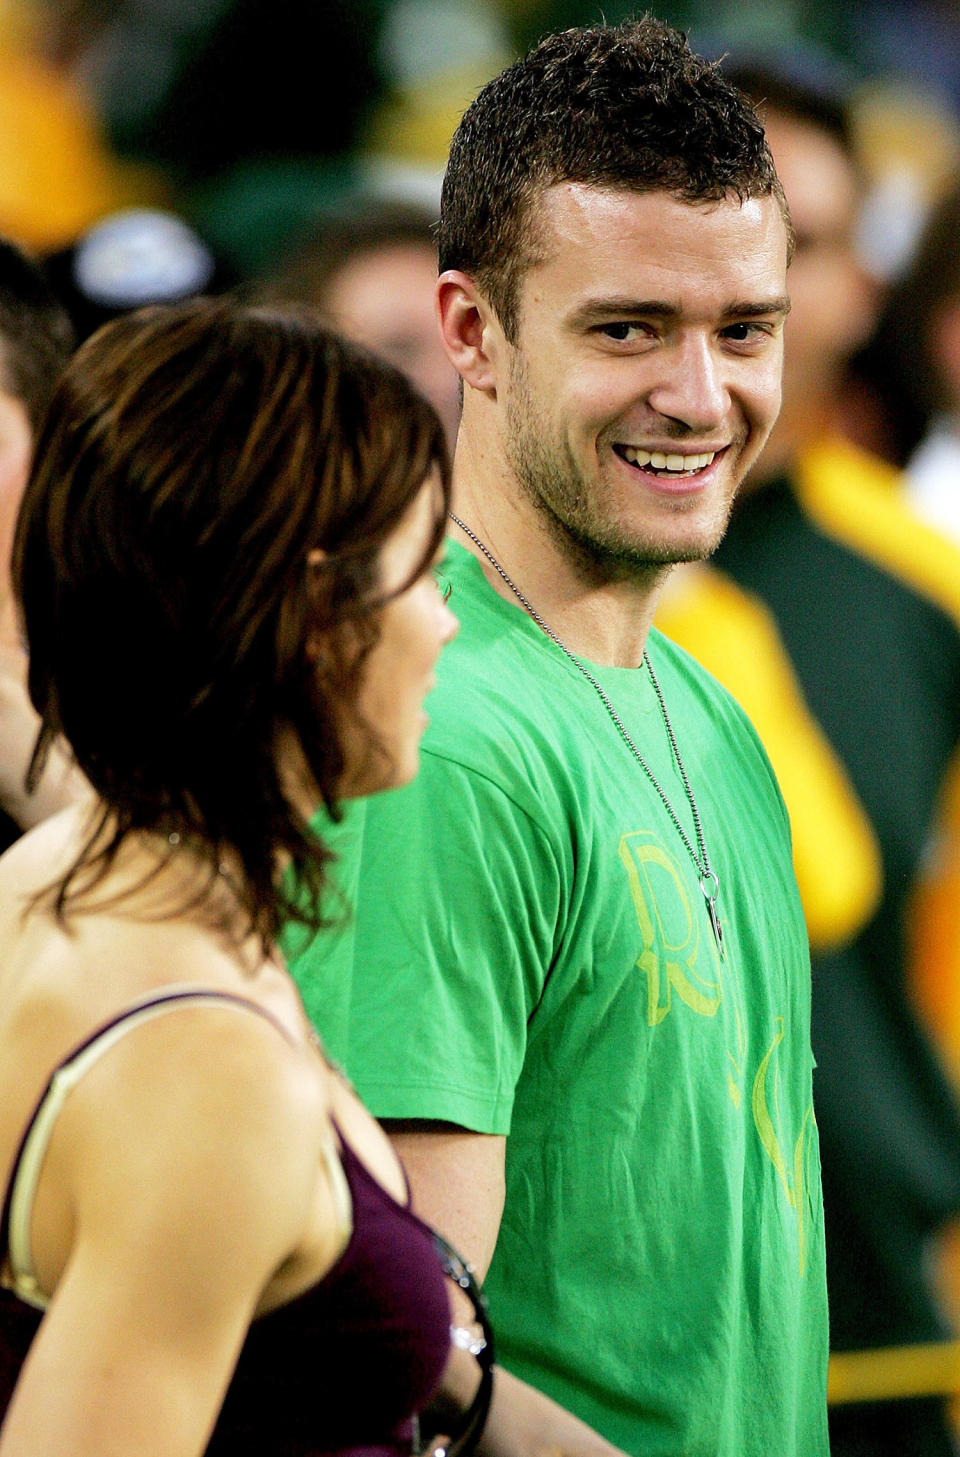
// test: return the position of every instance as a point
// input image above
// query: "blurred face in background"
(16, 443)
(384, 299)
(832, 298)
(944, 345)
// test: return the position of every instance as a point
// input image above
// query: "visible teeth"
(659, 461)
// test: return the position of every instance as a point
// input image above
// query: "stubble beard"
(553, 483)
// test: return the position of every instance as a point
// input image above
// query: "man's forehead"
(603, 223)
(569, 209)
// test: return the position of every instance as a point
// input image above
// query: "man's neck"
(601, 619)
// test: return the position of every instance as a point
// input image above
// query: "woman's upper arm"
(187, 1162)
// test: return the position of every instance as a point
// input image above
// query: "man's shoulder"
(712, 718)
(492, 679)
(487, 688)
(862, 502)
(703, 695)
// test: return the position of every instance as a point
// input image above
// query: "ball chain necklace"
(707, 877)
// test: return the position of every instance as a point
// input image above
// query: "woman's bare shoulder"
(61, 982)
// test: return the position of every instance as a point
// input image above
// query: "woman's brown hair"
(192, 460)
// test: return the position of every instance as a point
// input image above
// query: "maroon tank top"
(344, 1367)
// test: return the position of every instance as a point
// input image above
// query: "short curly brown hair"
(621, 106)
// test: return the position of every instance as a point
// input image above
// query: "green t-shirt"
(329, 953)
(532, 956)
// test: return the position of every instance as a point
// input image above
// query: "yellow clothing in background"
(861, 500)
(934, 936)
(56, 174)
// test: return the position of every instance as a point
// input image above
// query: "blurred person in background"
(920, 343)
(866, 600)
(35, 343)
(372, 270)
(923, 323)
(36, 340)
(250, 110)
(58, 173)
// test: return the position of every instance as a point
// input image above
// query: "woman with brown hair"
(224, 564)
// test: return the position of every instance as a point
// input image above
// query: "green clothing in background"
(533, 957)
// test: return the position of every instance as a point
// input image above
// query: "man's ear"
(470, 331)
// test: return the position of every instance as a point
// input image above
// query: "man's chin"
(614, 552)
(652, 554)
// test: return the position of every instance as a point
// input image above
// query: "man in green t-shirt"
(578, 979)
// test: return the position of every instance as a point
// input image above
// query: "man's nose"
(692, 388)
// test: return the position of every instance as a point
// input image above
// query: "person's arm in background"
(457, 1181)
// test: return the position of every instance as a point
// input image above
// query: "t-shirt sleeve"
(456, 925)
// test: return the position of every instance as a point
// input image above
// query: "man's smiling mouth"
(659, 463)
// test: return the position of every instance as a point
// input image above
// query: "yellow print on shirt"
(676, 956)
(679, 960)
(790, 1164)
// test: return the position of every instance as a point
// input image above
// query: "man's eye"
(623, 330)
(744, 333)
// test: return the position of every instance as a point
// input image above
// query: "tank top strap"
(347, 1154)
(16, 1260)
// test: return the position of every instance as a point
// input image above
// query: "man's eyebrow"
(760, 308)
(602, 310)
(596, 309)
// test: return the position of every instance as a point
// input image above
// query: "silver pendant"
(710, 889)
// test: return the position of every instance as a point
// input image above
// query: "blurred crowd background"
(150, 149)
(252, 119)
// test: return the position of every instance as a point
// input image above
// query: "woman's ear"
(315, 646)
(470, 330)
(316, 649)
